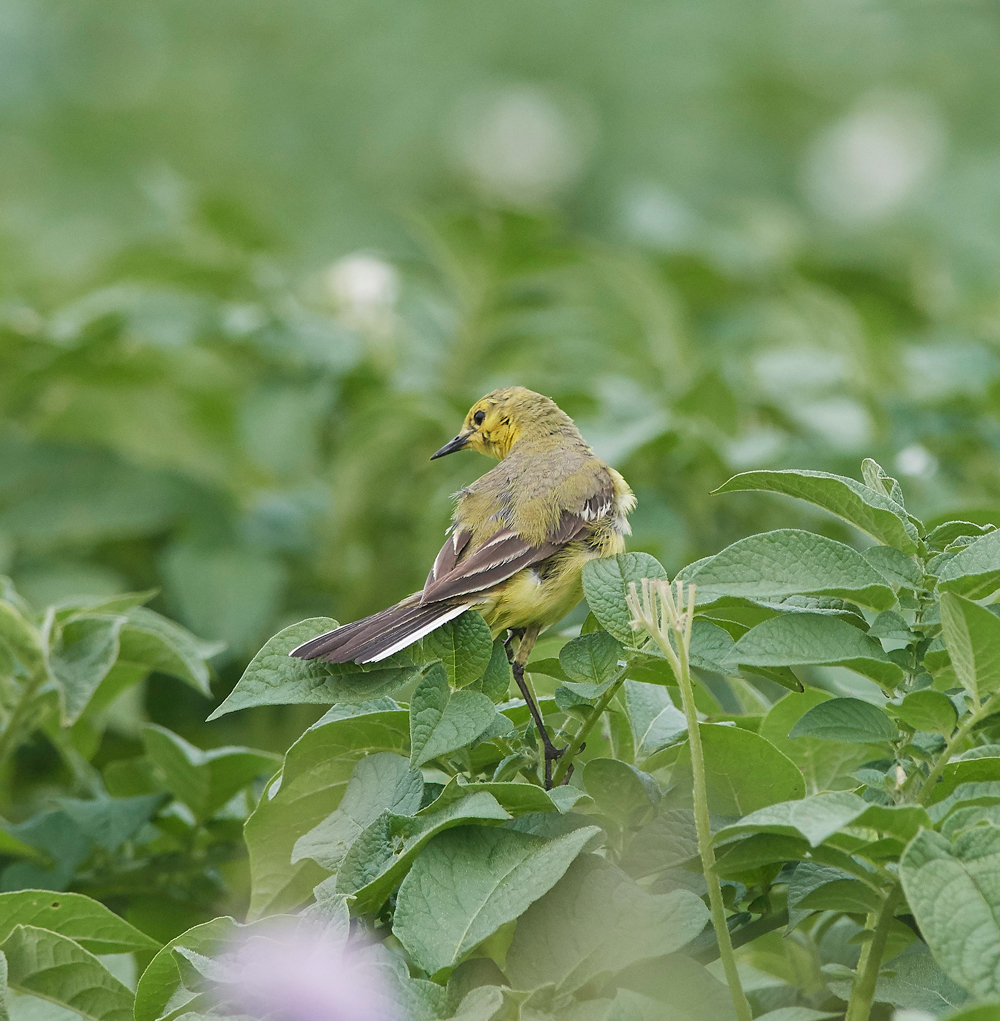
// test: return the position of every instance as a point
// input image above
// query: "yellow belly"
(541, 595)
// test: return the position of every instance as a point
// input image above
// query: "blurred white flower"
(756, 448)
(361, 282)
(911, 1015)
(786, 371)
(916, 461)
(520, 145)
(302, 972)
(872, 161)
(654, 217)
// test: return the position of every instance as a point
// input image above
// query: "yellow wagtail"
(519, 539)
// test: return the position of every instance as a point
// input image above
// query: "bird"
(519, 539)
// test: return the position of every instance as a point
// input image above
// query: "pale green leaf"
(275, 678)
(802, 639)
(596, 921)
(744, 771)
(896, 567)
(606, 586)
(619, 790)
(655, 721)
(871, 511)
(381, 856)
(88, 922)
(667, 841)
(815, 818)
(54, 967)
(774, 565)
(825, 765)
(953, 890)
(204, 780)
(85, 650)
(846, 719)
(495, 681)
(972, 635)
(315, 774)
(382, 782)
(975, 571)
(927, 710)
(470, 881)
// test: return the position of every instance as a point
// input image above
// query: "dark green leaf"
(590, 659)
(972, 635)
(464, 645)
(443, 720)
(928, 710)
(495, 681)
(84, 652)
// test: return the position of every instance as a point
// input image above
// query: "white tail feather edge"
(449, 614)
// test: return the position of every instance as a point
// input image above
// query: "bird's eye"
(478, 417)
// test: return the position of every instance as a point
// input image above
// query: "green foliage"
(427, 827)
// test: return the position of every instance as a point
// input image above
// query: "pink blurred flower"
(297, 972)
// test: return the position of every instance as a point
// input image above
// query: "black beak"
(452, 445)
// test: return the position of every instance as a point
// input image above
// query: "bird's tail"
(377, 637)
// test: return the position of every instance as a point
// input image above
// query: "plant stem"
(863, 992)
(680, 619)
(986, 709)
(588, 725)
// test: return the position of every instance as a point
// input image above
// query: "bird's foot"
(551, 752)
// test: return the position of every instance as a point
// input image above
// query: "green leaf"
(667, 841)
(470, 881)
(954, 892)
(928, 710)
(972, 635)
(594, 922)
(443, 720)
(804, 639)
(744, 772)
(315, 774)
(275, 678)
(897, 568)
(825, 765)
(19, 635)
(161, 980)
(850, 895)
(516, 798)
(606, 585)
(851, 720)
(975, 571)
(383, 782)
(159, 644)
(965, 771)
(383, 854)
(88, 922)
(796, 1014)
(495, 681)
(4, 1012)
(815, 818)
(204, 781)
(109, 822)
(464, 645)
(912, 980)
(80, 659)
(54, 967)
(619, 790)
(775, 565)
(590, 659)
(14, 848)
(945, 534)
(856, 503)
(654, 719)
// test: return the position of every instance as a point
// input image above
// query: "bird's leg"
(517, 664)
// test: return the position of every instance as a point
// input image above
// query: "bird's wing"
(505, 552)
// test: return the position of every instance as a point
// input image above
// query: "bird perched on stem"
(520, 537)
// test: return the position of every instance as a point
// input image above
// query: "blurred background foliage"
(258, 258)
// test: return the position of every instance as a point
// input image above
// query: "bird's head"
(504, 417)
